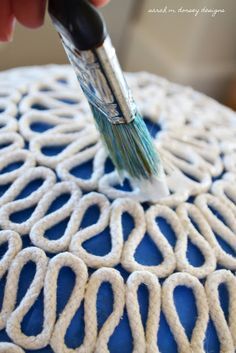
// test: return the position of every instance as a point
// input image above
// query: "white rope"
(73, 143)
(50, 292)
(175, 181)
(187, 170)
(89, 154)
(16, 156)
(9, 93)
(107, 185)
(93, 341)
(12, 140)
(6, 347)
(80, 271)
(196, 345)
(186, 212)
(225, 231)
(10, 205)
(14, 246)
(207, 200)
(8, 123)
(226, 191)
(112, 258)
(226, 331)
(49, 100)
(205, 147)
(24, 179)
(54, 329)
(11, 287)
(7, 107)
(137, 234)
(143, 341)
(31, 117)
(47, 221)
(230, 162)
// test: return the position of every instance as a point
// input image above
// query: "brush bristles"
(130, 146)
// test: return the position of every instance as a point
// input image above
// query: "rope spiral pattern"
(197, 147)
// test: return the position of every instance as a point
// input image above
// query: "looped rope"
(226, 331)
(107, 186)
(51, 121)
(226, 191)
(54, 329)
(23, 180)
(144, 341)
(76, 246)
(230, 162)
(175, 181)
(208, 201)
(23, 156)
(7, 107)
(11, 205)
(194, 179)
(50, 100)
(11, 288)
(14, 246)
(169, 263)
(47, 221)
(74, 301)
(188, 212)
(9, 93)
(6, 347)
(197, 139)
(50, 294)
(89, 154)
(128, 260)
(135, 210)
(73, 143)
(93, 341)
(224, 230)
(114, 278)
(11, 140)
(196, 345)
(8, 123)
(203, 145)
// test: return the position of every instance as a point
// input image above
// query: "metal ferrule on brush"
(102, 80)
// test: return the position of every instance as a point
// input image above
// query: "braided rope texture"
(60, 207)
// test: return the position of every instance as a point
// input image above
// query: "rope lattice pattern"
(41, 108)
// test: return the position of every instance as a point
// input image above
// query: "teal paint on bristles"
(130, 146)
(89, 49)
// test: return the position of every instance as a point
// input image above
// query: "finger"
(6, 21)
(99, 3)
(29, 13)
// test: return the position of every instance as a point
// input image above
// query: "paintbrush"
(88, 46)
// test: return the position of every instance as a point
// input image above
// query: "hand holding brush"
(29, 13)
(88, 46)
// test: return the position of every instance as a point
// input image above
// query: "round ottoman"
(85, 265)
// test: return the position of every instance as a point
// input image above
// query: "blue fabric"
(147, 253)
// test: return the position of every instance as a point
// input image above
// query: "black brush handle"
(90, 51)
(79, 21)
